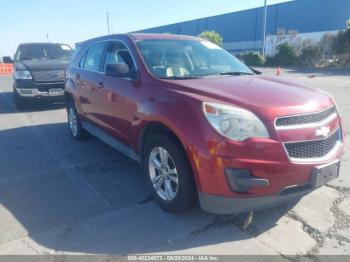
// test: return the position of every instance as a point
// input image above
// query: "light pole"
(264, 30)
(47, 38)
(108, 27)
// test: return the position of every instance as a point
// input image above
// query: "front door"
(117, 108)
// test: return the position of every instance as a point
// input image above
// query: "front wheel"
(169, 174)
(74, 124)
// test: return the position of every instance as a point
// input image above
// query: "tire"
(179, 196)
(74, 124)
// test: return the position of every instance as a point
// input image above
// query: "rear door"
(116, 104)
(86, 79)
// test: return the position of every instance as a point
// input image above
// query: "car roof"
(148, 36)
(139, 36)
(42, 43)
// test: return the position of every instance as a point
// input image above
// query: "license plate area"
(56, 92)
(321, 175)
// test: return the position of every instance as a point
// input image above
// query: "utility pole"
(108, 27)
(47, 38)
(264, 30)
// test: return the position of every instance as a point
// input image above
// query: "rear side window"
(93, 57)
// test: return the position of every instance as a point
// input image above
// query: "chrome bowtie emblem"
(323, 131)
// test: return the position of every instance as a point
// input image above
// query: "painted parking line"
(68, 168)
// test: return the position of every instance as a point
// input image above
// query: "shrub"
(342, 47)
(270, 61)
(310, 55)
(252, 59)
(327, 45)
(342, 42)
(286, 55)
(331, 50)
(212, 36)
(283, 36)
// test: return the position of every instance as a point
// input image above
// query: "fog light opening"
(240, 180)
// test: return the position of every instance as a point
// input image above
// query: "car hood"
(266, 96)
(39, 65)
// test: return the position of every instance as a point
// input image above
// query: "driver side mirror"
(7, 60)
(121, 70)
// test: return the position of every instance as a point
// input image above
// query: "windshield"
(43, 51)
(181, 59)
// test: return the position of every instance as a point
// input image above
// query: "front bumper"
(277, 179)
(229, 205)
(36, 93)
(30, 90)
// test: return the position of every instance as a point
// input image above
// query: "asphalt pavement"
(60, 196)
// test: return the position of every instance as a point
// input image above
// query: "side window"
(18, 54)
(118, 53)
(76, 52)
(82, 60)
(93, 57)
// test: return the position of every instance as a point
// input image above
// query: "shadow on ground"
(33, 106)
(86, 197)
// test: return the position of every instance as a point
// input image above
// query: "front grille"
(313, 149)
(48, 76)
(47, 87)
(305, 119)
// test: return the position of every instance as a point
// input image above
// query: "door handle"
(100, 85)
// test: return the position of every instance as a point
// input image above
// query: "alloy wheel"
(163, 173)
(73, 121)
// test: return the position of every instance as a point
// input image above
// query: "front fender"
(182, 115)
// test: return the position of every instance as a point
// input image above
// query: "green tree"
(252, 59)
(286, 55)
(342, 47)
(326, 44)
(212, 36)
(310, 55)
(348, 24)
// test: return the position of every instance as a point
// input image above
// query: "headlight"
(233, 122)
(22, 74)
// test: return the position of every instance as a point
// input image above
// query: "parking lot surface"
(60, 196)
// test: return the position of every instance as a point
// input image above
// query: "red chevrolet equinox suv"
(203, 125)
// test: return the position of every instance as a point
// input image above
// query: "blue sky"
(72, 21)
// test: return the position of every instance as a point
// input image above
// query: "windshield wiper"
(26, 59)
(233, 73)
(180, 77)
(51, 57)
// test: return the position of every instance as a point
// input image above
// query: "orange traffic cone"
(278, 71)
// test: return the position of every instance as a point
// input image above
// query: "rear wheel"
(169, 174)
(74, 124)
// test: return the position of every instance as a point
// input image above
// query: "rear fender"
(70, 93)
